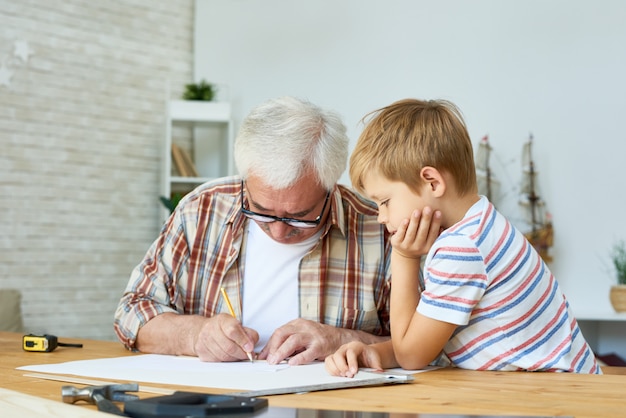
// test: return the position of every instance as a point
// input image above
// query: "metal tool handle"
(71, 394)
(95, 395)
(105, 405)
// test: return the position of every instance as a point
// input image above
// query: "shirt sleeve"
(151, 289)
(454, 278)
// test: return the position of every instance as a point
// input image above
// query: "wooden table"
(444, 391)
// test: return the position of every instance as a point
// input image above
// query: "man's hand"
(219, 338)
(347, 359)
(303, 341)
(223, 338)
(417, 234)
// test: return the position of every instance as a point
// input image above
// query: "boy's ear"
(434, 181)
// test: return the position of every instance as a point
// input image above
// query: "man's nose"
(279, 229)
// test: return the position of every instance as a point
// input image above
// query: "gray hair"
(281, 139)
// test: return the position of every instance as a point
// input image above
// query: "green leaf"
(171, 203)
(619, 261)
(200, 91)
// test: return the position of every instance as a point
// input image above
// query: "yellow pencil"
(232, 313)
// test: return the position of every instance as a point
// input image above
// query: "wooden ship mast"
(541, 234)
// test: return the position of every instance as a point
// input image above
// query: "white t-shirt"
(270, 283)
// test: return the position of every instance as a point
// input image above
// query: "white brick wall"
(81, 125)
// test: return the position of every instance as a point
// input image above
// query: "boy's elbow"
(412, 360)
(413, 364)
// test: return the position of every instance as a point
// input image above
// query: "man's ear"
(435, 182)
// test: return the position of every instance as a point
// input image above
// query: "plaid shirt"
(343, 280)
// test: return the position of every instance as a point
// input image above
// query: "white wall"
(82, 122)
(554, 68)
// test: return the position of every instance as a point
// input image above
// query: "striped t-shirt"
(483, 275)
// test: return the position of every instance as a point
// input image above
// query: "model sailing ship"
(541, 234)
(484, 177)
(487, 184)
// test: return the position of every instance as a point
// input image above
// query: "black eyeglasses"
(296, 223)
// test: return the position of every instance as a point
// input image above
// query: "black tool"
(102, 396)
(43, 343)
(192, 404)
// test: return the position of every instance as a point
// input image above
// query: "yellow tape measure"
(43, 343)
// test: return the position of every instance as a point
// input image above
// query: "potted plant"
(199, 91)
(618, 291)
(171, 203)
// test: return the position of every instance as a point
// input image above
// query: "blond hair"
(402, 138)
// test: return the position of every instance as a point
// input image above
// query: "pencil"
(232, 313)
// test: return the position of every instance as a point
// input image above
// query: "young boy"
(488, 301)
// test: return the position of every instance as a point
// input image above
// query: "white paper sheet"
(190, 371)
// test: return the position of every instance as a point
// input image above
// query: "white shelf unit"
(603, 328)
(208, 129)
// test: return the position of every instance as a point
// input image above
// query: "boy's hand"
(347, 359)
(417, 234)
